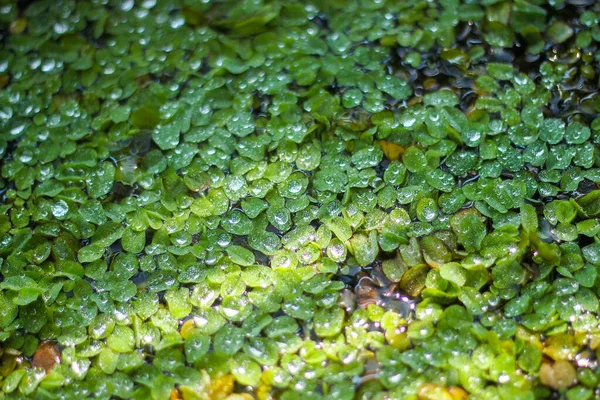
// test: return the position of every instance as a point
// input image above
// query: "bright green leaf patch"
(273, 199)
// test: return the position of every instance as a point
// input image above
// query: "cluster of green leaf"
(210, 200)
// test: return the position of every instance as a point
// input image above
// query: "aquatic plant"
(280, 199)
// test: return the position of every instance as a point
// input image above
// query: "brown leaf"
(559, 375)
(432, 391)
(4, 80)
(391, 150)
(46, 356)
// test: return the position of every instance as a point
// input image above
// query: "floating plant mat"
(294, 199)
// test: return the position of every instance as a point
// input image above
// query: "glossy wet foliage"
(292, 199)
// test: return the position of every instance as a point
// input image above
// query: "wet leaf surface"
(337, 200)
(46, 356)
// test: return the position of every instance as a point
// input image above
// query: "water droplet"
(127, 5)
(60, 209)
(48, 65)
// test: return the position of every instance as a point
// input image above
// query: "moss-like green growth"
(331, 199)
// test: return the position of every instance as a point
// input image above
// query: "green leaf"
(397, 88)
(470, 229)
(133, 241)
(435, 252)
(122, 339)
(167, 136)
(8, 310)
(107, 234)
(237, 223)
(559, 32)
(328, 322)
(577, 133)
(196, 347)
(144, 117)
(414, 159)
(590, 203)
(507, 273)
(245, 370)
(90, 253)
(364, 247)
(100, 181)
(240, 255)
(228, 340)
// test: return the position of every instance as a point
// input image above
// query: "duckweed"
(279, 200)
